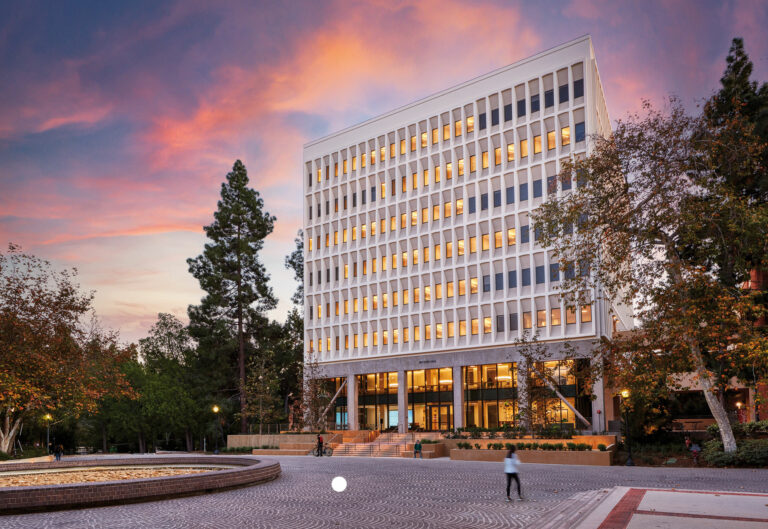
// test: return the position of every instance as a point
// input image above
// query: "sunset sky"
(119, 120)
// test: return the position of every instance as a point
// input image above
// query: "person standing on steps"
(319, 445)
(417, 450)
(511, 464)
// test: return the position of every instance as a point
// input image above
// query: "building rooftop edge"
(587, 37)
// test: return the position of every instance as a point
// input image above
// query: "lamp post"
(624, 397)
(48, 418)
(216, 410)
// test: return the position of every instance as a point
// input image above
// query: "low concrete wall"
(434, 450)
(559, 457)
(248, 471)
(278, 452)
(41, 459)
(245, 440)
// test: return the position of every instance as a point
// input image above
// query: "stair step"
(572, 511)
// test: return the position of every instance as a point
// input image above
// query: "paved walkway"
(393, 493)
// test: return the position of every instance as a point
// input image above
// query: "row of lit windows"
(450, 329)
(551, 143)
(458, 130)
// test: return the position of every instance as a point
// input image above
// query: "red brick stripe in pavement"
(622, 513)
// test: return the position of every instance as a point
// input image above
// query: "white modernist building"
(421, 265)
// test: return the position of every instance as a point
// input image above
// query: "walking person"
(319, 445)
(511, 464)
(417, 450)
(58, 452)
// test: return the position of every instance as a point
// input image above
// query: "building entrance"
(439, 417)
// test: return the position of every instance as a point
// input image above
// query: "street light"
(216, 410)
(48, 418)
(625, 396)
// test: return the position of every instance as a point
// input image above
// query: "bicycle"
(327, 451)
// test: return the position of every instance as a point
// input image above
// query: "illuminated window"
(523, 148)
(436, 212)
(405, 297)
(415, 257)
(439, 291)
(459, 206)
(319, 311)
(435, 135)
(511, 237)
(426, 177)
(345, 166)
(424, 215)
(472, 163)
(413, 143)
(337, 308)
(405, 334)
(373, 265)
(448, 250)
(536, 144)
(384, 262)
(403, 220)
(555, 317)
(551, 141)
(365, 339)
(319, 175)
(450, 329)
(375, 338)
(565, 135)
(475, 326)
(373, 157)
(354, 163)
(428, 332)
(497, 156)
(405, 259)
(437, 174)
(417, 295)
(472, 245)
(498, 240)
(310, 244)
(344, 235)
(423, 139)
(461, 166)
(446, 132)
(462, 287)
(404, 186)
(414, 218)
(355, 306)
(447, 213)
(470, 124)
(375, 302)
(355, 341)
(346, 306)
(457, 132)
(510, 152)
(373, 228)
(462, 327)
(586, 313)
(449, 170)
(485, 242)
(346, 271)
(414, 181)
(327, 240)
(336, 237)
(383, 190)
(394, 298)
(485, 159)
(437, 252)
(439, 331)
(416, 333)
(527, 321)
(362, 160)
(346, 341)
(426, 254)
(473, 285)
(461, 247)
(365, 303)
(449, 289)
(486, 325)
(336, 169)
(541, 318)
(391, 150)
(354, 233)
(383, 154)
(402, 146)
(394, 261)
(427, 293)
(395, 336)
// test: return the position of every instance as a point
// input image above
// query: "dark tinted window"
(499, 323)
(499, 280)
(507, 115)
(486, 283)
(536, 188)
(578, 88)
(336, 275)
(521, 108)
(494, 117)
(513, 321)
(309, 177)
(540, 275)
(526, 279)
(524, 235)
(536, 233)
(484, 201)
(327, 275)
(497, 198)
(363, 197)
(327, 207)
(579, 131)
(566, 183)
(567, 228)
(511, 195)
(569, 272)
(354, 200)
(512, 279)
(481, 121)
(564, 93)
(551, 184)
(310, 213)
(554, 272)
(319, 277)
(523, 192)
(373, 194)
(549, 98)
(535, 103)
(472, 205)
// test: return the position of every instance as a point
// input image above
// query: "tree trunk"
(9, 431)
(241, 341)
(190, 443)
(104, 438)
(142, 443)
(715, 406)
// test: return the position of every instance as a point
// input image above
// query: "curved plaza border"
(246, 471)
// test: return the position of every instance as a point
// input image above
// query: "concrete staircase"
(571, 512)
(385, 445)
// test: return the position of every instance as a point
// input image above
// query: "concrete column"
(402, 402)
(522, 394)
(598, 405)
(352, 403)
(458, 398)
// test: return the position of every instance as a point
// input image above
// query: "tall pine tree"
(231, 272)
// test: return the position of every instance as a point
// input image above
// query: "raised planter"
(591, 440)
(555, 457)
(247, 471)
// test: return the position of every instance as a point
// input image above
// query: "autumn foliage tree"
(53, 356)
(646, 227)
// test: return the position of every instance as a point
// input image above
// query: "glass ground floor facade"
(484, 396)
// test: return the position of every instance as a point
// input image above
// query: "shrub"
(753, 453)
(534, 446)
(559, 446)
(584, 447)
(571, 446)
(714, 455)
(602, 447)
(508, 446)
(477, 446)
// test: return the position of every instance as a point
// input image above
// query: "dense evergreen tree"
(233, 276)
(295, 262)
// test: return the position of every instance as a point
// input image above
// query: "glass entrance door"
(439, 417)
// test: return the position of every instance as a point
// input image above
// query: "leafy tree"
(263, 385)
(55, 358)
(295, 262)
(643, 199)
(231, 272)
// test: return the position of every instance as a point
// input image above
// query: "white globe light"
(339, 484)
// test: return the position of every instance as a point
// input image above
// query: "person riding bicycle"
(695, 451)
(319, 445)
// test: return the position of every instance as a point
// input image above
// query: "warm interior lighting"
(393, 385)
(446, 381)
(739, 405)
(504, 377)
(625, 393)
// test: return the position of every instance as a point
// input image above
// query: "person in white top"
(511, 464)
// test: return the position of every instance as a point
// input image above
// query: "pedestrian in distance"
(511, 465)
(58, 452)
(695, 451)
(319, 445)
(417, 450)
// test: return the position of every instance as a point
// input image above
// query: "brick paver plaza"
(391, 493)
